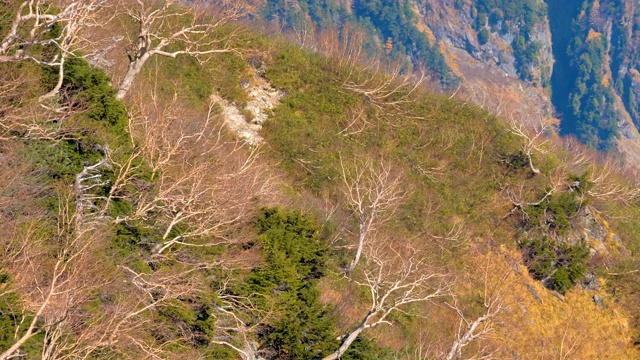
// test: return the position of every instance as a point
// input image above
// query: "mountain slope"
(505, 52)
(151, 227)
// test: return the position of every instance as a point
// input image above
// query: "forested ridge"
(179, 185)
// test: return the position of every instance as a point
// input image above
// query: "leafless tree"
(81, 18)
(344, 47)
(62, 272)
(472, 330)
(395, 275)
(34, 20)
(372, 193)
(607, 183)
(205, 184)
(237, 323)
(609, 178)
(533, 139)
(175, 27)
(387, 93)
(122, 322)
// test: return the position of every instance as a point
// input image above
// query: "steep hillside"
(195, 188)
(502, 52)
(582, 52)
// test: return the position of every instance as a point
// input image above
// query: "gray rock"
(598, 300)
(558, 295)
(534, 293)
(590, 282)
(593, 228)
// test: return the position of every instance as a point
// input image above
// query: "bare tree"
(472, 330)
(606, 183)
(373, 194)
(81, 17)
(205, 184)
(124, 318)
(532, 139)
(174, 27)
(395, 275)
(34, 21)
(62, 273)
(344, 47)
(237, 322)
(387, 93)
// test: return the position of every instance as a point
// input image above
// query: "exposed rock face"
(488, 71)
(592, 228)
(453, 25)
(491, 67)
(263, 97)
(247, 122)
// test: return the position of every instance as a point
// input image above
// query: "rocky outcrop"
(247, 122)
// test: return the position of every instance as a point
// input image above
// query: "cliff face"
(490, 39)
(505, 65)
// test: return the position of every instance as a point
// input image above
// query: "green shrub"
(564, 264)
(539, 256)
(90, 88)
(574, 258)
(295, 259)
(560, 281)
(483, 36)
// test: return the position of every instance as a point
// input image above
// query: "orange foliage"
(553, 328)
(593, 35)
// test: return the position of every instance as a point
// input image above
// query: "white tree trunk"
(361, 236)
(351, 337)
(134, 69)
(535, 171)
(58, 86)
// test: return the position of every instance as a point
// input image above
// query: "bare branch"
(33, 24)
(533, 140)
(470, 331)
(386, 93)
(205, 185)
(191, 27)
(395, 276)
(372, 193)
